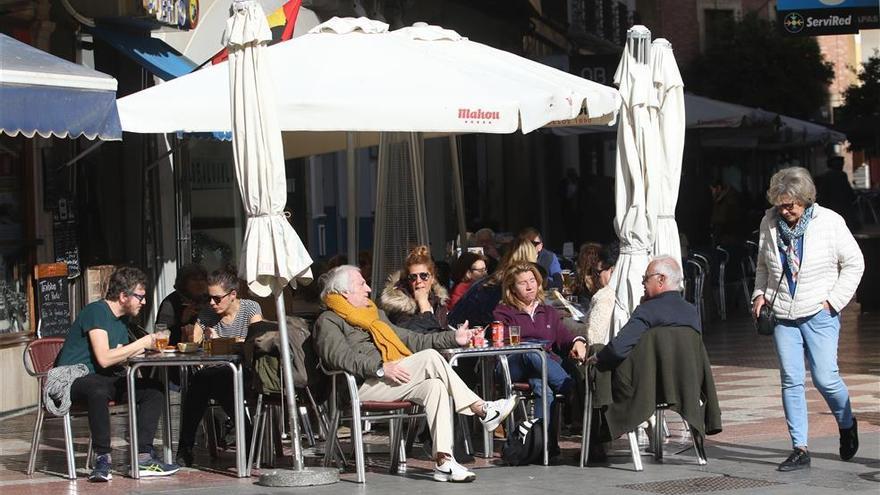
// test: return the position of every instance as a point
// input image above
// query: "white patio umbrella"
(636, 146)
(272, 254)
(669, 115)
(355, 75)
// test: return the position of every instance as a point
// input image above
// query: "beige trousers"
(432, 383)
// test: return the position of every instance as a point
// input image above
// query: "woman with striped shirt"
(225, 316)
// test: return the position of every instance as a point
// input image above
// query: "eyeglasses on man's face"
(649, 276)
(218, 299)
(412, 277)
(139, 297)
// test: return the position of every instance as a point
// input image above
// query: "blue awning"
(153, 54)
(47, 95)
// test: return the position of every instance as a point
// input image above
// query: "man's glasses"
(648, 277)
(412, 277)
(217, 299)
(139, 297)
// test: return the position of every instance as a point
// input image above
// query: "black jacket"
(667, 309)
(670, 365)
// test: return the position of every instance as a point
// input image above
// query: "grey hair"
(337, 280)
(793, 182)
(670, 268)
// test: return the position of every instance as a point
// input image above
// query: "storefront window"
(13, 268)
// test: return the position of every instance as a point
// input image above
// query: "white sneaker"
(497, 411)
(453, 471)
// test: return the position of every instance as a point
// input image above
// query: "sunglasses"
(139, 297)
(537, 243)
(786, 206)
(412, 277)
(217, 299)
(648, 277)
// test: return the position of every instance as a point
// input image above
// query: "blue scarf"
(787, 239)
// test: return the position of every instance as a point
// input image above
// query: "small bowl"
(187, 346)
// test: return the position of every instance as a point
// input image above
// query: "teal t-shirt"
(77, 348)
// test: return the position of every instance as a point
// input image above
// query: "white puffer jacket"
(830, 271)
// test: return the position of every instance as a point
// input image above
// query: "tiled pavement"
(742, 457)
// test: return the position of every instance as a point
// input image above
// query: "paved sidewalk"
(742, 459)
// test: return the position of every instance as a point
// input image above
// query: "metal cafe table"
(164, 360)
(453, 355)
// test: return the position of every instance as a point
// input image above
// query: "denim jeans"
(527, 367)
(815, 336)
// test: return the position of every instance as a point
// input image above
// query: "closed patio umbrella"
(272, 254)
(669, 116)
(636, 146)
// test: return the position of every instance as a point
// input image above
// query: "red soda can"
(497, 332)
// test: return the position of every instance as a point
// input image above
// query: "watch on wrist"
(380, 373)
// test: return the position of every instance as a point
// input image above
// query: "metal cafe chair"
(395, 412)
(38, 358)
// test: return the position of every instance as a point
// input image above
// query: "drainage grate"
(698, 485)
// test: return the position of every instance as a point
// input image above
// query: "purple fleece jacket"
(547, 325)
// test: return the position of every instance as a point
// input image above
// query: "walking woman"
(809, 266)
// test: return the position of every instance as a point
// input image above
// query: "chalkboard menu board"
(52, 299)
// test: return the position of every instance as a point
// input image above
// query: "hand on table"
(464, 334)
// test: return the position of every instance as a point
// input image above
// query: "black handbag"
(766, 322)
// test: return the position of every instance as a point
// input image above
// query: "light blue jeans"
(815, 336)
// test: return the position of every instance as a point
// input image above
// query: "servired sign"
(821, 17)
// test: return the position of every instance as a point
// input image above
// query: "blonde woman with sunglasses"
(413, 298)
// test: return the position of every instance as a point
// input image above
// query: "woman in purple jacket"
(522, 304)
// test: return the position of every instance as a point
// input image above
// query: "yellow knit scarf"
(389, 344)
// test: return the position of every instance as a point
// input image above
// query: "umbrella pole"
(458, 191)
(300, 476)
(352, 199)
(289, 393)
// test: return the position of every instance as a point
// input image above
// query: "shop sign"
(183, 14)
(822, 17)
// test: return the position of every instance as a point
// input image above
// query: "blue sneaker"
(101, 471)
(154, 467)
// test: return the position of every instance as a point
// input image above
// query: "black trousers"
(95, 391)
(213, 382)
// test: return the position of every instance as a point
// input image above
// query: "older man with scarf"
(393, 363)
(809, 267)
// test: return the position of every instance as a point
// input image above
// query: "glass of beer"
(162, 336)
(513, 331)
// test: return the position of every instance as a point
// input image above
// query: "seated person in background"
(413, 298)
(546, 258)
(586, 281)
(485, 238)
(392, 363)
(180, 308)
(523, 305)
(99, 340)
(602, 303)
(468, 268)
(662, 306)
(478, 303)
(226, 316)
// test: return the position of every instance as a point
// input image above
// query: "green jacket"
(342, 346)
(669, 365)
